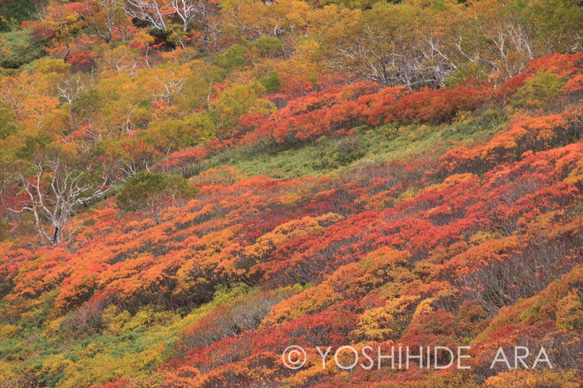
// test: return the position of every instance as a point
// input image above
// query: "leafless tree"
(70, 87)
(187, 10)
(171, 89)
(149, 11)
(391, 50)
(157, 12)
(53, 192)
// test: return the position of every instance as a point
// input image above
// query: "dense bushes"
(19, 48)
(153, 192)
(398, 217)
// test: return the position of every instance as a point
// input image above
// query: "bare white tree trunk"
(171, 89)
(149, 11)
(52, 195)
(186, 10)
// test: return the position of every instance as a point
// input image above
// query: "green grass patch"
(326, 156)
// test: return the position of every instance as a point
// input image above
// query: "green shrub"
(232, 58)
(539, 92)
(269, 46)
(17, 48)
(271, 82)
(13, 13)
(154, 191)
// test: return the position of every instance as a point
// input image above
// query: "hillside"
(187, 193)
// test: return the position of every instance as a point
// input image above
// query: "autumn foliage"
(188, 188)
